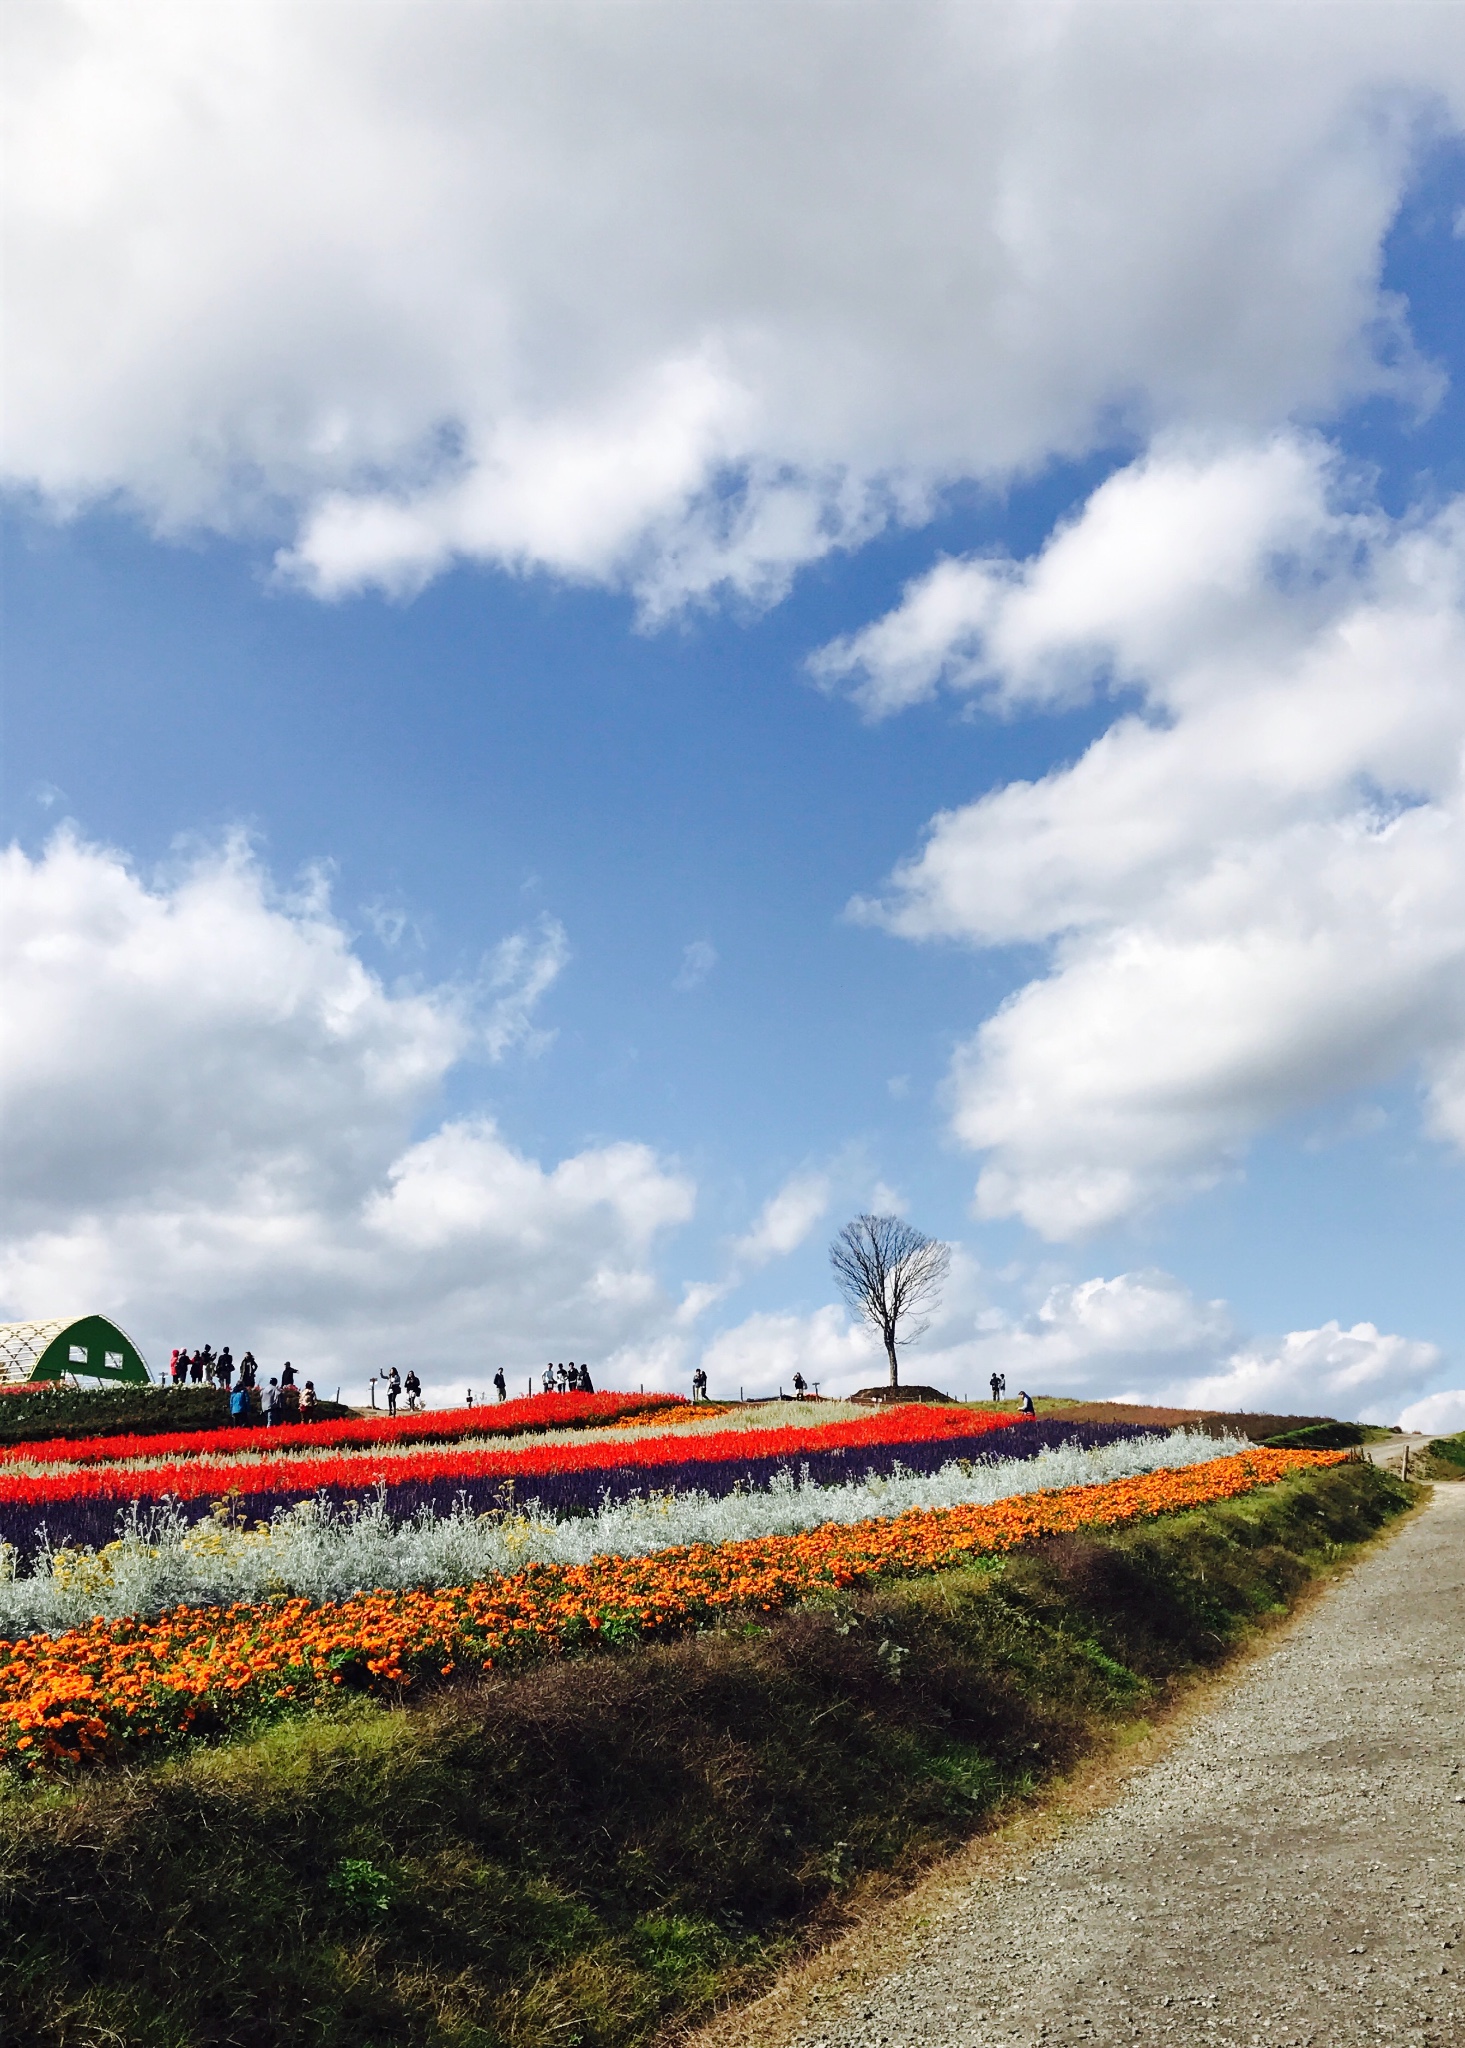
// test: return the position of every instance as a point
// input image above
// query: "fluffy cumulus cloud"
(211, 1112)
(1138, 1336)
(761, 1354)
(1440, 1414)
(679, 297)
(1251, 887)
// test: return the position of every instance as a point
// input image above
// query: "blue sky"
(322, 733)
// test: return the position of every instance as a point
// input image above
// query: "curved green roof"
(76, 1347)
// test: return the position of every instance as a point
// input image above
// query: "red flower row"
(440, 1425)
(304, 1475)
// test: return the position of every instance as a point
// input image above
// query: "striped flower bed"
(437, 1425)
(81, 1505)
(123, 1685)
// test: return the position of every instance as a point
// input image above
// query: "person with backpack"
(240, 1413)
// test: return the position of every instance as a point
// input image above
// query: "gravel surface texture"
(1293, 1871)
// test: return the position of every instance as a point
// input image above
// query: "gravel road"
(1292, 1871)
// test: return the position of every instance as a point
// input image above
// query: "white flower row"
(327, 1553)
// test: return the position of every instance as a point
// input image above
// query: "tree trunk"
(890, 1354)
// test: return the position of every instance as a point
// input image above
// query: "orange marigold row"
(119, 1684)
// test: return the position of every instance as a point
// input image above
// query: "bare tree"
(889, 1273)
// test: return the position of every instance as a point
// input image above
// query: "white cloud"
(1144, 1336)
(1088, 1335)
(1252, 887)
(1138, 1336)
(210, 1113)
(700, 1295)
(524, 967)
(785, 1220)
(1166, 561)
(675, 296)
(1361, 1374)
(779, 1228)
(698, 961)
(1442, 1413)
(762, 1354)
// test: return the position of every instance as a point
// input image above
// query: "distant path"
(1293, 1871)
(1390, 1452)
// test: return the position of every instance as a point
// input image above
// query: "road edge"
(877, 1931)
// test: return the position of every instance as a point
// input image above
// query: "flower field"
(528, 1415)
(322, 1551)
(113, 1687)
(78, 1503)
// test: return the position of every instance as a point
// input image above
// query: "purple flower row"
(97, 1521)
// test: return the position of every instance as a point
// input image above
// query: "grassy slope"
(575, 1855)
(1443, 1459)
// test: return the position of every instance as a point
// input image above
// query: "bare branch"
(889, 1272)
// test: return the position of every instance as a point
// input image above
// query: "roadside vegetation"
(604, 1846)
(1443, 1459)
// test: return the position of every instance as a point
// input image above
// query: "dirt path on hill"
(1291, 1870)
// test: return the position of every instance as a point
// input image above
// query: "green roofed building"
(72, 1347)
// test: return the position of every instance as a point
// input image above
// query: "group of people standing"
(210, 1368)
(397, 1386)
(560, 1379)
(282, 1400)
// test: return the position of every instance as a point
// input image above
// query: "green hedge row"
(120, 1411)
